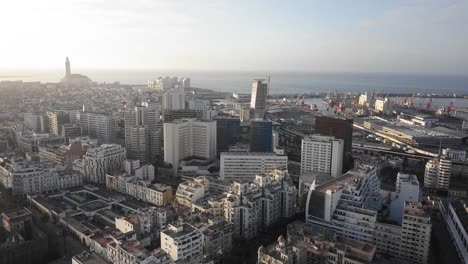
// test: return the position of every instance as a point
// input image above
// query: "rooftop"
(89, 258)
(16, 213)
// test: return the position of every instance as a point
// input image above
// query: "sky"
(307, 36)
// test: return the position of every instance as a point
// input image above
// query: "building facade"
(322, 154)
(106, 159)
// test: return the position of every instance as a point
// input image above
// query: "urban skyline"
(219, 167)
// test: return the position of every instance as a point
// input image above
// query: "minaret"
(67, 68)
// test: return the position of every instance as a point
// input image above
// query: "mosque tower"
(67, 68)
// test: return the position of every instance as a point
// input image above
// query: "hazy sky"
(324, 36)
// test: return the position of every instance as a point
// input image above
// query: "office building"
(56, 120)
(71, 130)
(173, 99)
(437, 174)
(142, 135)
(340, 128)
(322, 154)
(33, 121)
(227, 133)
(245, 165)
(99, 126)
(185, 138)
(261, 136)
(258, 101)
(182, 242)
(103, 160)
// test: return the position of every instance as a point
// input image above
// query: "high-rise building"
(32, 121)
(340, 128)
(56, 120)
(322, 154)
(98, 126)
(142, 136)
(184, 138)
(244, 114)
(173, 99)
(437, 174)
(258, 101)
(243, 166)
(261, 136)
(227, 133)
(67, 68)
(103, 160)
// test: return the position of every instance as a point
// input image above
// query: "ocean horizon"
(281, 82)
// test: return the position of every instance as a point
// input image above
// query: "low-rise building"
(157, 194)
(182, 242)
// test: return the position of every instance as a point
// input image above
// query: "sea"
(282, 82)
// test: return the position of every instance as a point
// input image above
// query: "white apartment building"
(349, 205)
(26, 177)
(189, 192)
(182, 242)
(437, 173)
(346, 204)
(245, 165)
(157, 194)
(254, 206)
(173, 99)
(97, 162)
(322, 154)
(186, 138)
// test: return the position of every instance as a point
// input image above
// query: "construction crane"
(429, 104)
(449, 107)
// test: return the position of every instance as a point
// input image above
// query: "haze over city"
(304, 36)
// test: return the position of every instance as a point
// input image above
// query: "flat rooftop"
(16, 213)
(89, 258)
